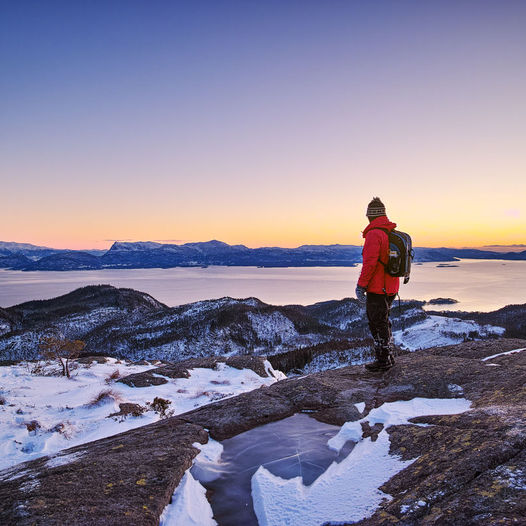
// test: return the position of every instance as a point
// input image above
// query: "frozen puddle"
(298, 471)
(292, 447)
(349, 491)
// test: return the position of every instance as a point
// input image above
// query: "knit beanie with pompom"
(375, 208)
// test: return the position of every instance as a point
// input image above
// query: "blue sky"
(262, 122)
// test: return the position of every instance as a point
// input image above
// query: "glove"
(360, 294)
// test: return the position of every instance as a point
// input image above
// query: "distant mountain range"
(149, 254)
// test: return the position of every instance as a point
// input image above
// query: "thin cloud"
(169, 240)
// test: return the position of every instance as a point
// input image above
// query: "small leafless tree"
(61, 350)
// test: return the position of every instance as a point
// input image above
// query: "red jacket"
(376, 248)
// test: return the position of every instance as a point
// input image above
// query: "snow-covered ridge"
(131, 325)
(266, 326)
(135, 246)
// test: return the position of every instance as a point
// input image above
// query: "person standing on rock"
(376, 288)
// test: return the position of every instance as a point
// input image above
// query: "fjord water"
(482, 285)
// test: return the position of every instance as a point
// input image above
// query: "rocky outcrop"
(125, 479)
(159, 375)
(469, 469)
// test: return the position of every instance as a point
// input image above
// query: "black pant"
(378, 307)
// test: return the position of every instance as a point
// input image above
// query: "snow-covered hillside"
(41, 415)
(439, 330)
(131, 325)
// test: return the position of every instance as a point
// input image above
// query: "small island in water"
(442, 301)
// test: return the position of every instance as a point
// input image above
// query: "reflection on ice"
(292, 447)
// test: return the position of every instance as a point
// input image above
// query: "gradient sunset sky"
(262, 122)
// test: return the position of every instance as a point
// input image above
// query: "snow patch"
(266, 326)
(436, 331)
(399, 413)
(275, 373)
(12, 474)
(62, 460)
(502, 354)
(61, 406)
(360, 406)
(345, 492)
(455, 389)
(30, 485)
(189, 505)
(348, 491)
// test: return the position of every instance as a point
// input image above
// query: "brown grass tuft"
(104, 396)
(115, 375)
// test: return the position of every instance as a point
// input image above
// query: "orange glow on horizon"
(177, 123)
(294, 238)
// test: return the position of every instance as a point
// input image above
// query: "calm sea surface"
(478, 285)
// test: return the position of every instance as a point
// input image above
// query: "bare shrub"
(104, 396)
(160, 406)
(66, 429)
(126, 409)
(61, 350)
(37, 368)
(2, 400)
(202, 393)
(33, 426)
(115, 375)
(219, 382)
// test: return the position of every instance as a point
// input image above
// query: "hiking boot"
(380, 365)
(384, 357)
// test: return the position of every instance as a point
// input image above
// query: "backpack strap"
(387, 232)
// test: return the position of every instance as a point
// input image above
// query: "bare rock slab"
(469, 468)
(125, 479)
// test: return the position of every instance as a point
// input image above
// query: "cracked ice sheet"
(348, 491)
